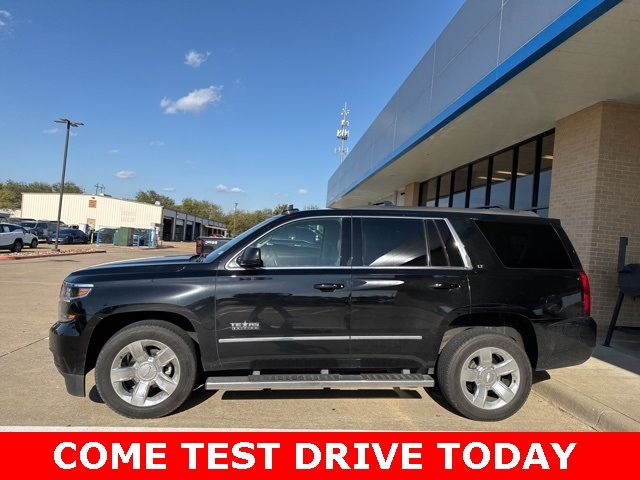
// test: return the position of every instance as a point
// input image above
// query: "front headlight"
(73, 291)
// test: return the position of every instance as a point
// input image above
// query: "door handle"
(328, 287)
(445, 286)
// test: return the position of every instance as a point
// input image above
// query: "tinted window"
(501, 179)
(393, 242)
(445, 190)
(443, 250)
(304, 243)
(526, 245)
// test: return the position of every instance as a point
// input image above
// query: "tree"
(151, 196)
(202, 208)
(11, 191)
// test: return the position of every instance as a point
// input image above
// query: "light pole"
(64, 168)
(235, 216)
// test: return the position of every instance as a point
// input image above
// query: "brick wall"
(595, 191)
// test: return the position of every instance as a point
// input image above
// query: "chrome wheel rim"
(145, 373)
(490, 378)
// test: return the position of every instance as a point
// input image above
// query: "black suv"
(352, 298)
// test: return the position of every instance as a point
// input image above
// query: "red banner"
(342, 455)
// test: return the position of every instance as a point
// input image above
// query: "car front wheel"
(34, 243)
(484, 376)
(146, 370)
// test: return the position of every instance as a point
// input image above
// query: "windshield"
(229, 245)
(28, 224)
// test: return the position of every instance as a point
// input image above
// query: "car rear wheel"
(146, 370)
(34, 243)
(17, 246)
(484, 376)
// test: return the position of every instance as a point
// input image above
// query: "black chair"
(628, 283)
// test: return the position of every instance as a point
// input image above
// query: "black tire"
(17, 246)
(154, 330)
(453, 360)
(34, 243)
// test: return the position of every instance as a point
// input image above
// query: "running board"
(322, 380)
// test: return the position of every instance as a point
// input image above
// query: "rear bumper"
(68, 349)
(565, 343)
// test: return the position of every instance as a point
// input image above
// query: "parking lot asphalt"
(32, 392)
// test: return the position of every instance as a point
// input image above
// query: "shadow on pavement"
(198, 396)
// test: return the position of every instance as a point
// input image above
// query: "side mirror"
(250, 258)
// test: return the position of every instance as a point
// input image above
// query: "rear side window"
(443, 249)
(393, 242)
(526, 245)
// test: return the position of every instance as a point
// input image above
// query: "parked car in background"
(41, 228)
(206, 245)
(14, 237)
(68, 236)
(346, 298)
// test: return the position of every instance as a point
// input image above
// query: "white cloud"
(125, 174)
(226, 189)
(303, 191)
(114, 151)
(5, 18)
(169, 189)
(156, 143)
(50, 131)
(194, 102)
(195, 59)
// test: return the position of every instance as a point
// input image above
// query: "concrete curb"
(48, 255)
(595, 414)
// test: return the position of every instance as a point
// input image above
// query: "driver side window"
(314, 242)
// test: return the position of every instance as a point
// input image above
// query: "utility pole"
(64, 168)
(343, 133)
(235, 217)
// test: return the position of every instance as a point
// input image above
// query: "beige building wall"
(412, 194)
(595, 191)
(85, 209)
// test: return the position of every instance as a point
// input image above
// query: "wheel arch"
(109, 325)
(516, 326)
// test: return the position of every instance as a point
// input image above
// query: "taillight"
(586, 294)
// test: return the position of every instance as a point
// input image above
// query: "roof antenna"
(343, 133)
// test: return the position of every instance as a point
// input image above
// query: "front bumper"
(69, 355)
(565, 343)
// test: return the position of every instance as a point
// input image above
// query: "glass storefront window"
(524, 176)
(460, 187)
(501, 179)
(428, 193)
(445, 190)
(479, 172)
(495, 175)
(544, 186)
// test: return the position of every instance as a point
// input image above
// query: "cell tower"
(343, 133)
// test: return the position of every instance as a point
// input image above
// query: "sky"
(227, 101)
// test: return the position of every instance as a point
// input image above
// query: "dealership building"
(531, 105)
(103, 211)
